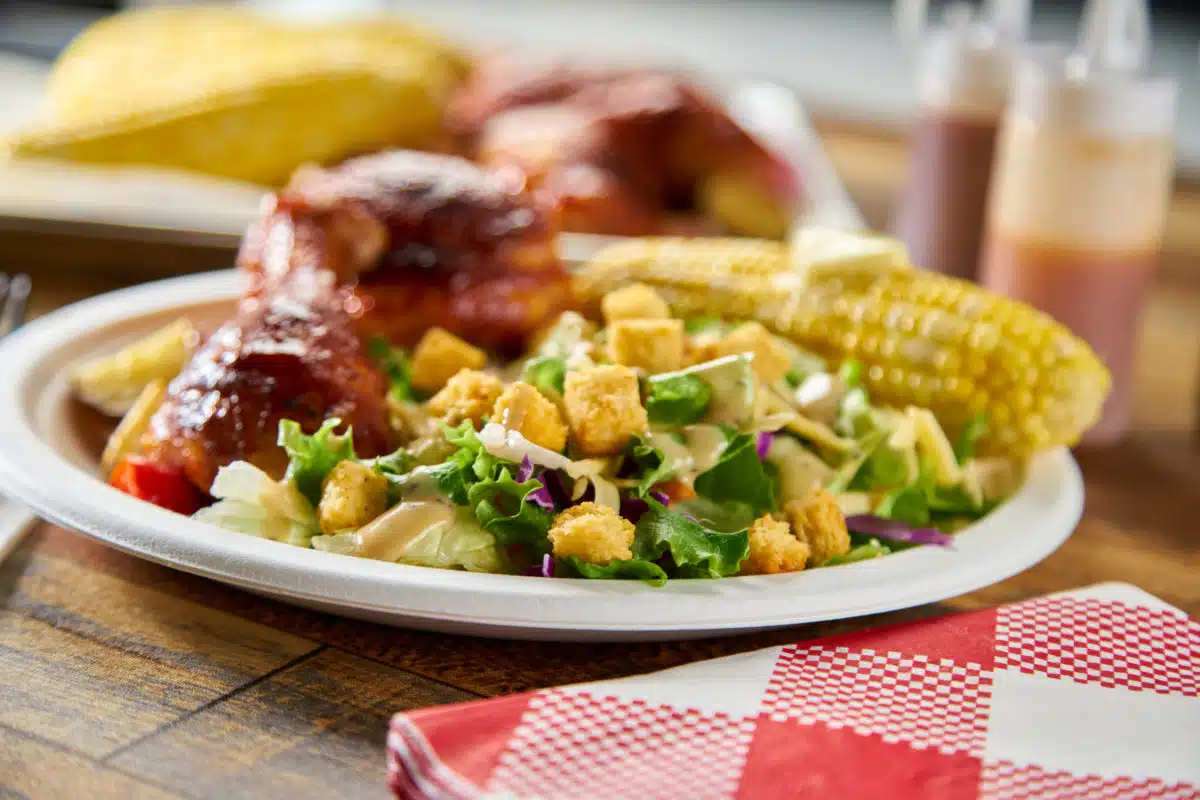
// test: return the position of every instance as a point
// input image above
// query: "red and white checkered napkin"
(1090, 694)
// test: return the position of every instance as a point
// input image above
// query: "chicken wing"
(290, 354)
(422, 240)
(621, 151)
(385, 245)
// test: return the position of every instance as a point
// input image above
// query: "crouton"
(604, 408)
(470, 394)
(439, 356)
(773, 548)
(593, 533)
(699, 349)
(636, 301)
(524, 409)
(351, 496)
(820, 524)
(772, 359)
(655, 345)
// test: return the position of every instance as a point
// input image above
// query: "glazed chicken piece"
(565, 152)
(621, 151)
(385, 245)
(423, 240)
(503, 83)
(290, 354)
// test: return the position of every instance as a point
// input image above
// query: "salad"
(648, 447)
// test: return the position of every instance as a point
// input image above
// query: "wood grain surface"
(122, 678)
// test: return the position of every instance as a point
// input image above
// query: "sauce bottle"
(1080, 194)
(963, 81)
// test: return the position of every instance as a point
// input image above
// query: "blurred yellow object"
(113, 383)
(227, 92)
(126, 439)
(745, 207)
(815, 250)
(926, 340)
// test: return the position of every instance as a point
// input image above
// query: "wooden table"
(121, 678)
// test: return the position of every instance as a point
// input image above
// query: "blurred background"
(842, 55)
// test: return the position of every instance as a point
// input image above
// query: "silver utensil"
(15, 518)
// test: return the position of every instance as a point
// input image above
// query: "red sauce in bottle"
(1079, 200)
(1097, 293)
(963, 85)
(942, 211)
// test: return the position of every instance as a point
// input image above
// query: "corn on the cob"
(927, 340)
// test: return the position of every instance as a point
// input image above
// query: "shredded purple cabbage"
(763, 444)
(543, 570)
(897, 531)
(632, 508)
(541, 497)
(554, 484)
(525, 471)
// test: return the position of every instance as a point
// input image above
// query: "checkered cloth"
(1088, 694)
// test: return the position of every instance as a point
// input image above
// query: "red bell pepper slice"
(154, 483)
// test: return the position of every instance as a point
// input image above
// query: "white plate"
(45, 461)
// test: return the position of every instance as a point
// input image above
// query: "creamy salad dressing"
(801, 471)
(388, 536)
(731, 379)
(420, 483)
(820, 397)
(699, 451)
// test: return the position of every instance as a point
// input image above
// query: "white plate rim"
(1017, 535)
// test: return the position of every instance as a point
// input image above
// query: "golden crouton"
(604, 408)
(655, 345)
(439, 356)
(819, 523)
(773, 548)
(772, 359)
(636, 301)
(699, 349)
(351, 496)
(524, 409)
(470, 394)
(595, 534)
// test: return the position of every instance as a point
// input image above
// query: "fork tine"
(17, 302)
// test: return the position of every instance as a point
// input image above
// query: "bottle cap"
(1101, 88)
(965, 63)
(1114, 36)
